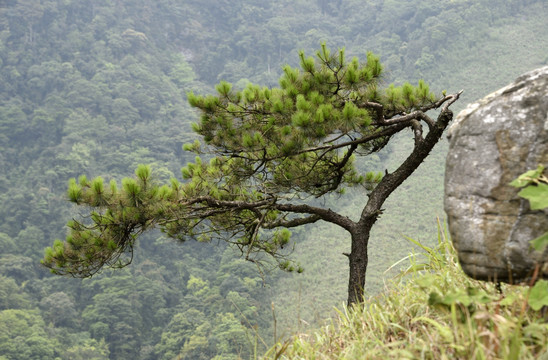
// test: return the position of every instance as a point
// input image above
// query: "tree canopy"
(266, 153)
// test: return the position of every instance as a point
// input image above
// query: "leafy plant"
(534, 186)
(535, 189)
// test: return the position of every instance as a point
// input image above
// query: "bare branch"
(420, 113)
(292, 223)
(388, 131)
(324, 214)
(452, 98)
(379, 109)
(211, 201)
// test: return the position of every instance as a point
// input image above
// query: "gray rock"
(492, 142)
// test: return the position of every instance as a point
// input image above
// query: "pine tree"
(270, 151)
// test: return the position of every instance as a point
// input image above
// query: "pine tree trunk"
(360, 232)
(358, 265)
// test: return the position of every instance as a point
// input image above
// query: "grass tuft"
(431, 311)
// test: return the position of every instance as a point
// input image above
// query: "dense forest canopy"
(98, 87)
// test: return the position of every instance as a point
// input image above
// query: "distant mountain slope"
(97, 87)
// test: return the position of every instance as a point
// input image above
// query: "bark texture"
(361, 231)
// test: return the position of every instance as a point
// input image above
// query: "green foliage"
(541, 242)
(538, 297)
(59, 309)
(88, 248)
(23, 335)
(535, 189)
(182, 72)
(11, 295)
(536, 195)
(67, 67)
(322, 98)
(89, 350)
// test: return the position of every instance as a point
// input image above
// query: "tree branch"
(420, 151)
(419, 113)
(292, 223)
(324, 214)
(388, 131)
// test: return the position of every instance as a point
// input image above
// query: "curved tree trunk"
(361, 230)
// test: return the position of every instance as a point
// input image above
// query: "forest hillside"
(98, 87)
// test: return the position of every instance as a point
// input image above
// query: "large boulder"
(492, 142)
